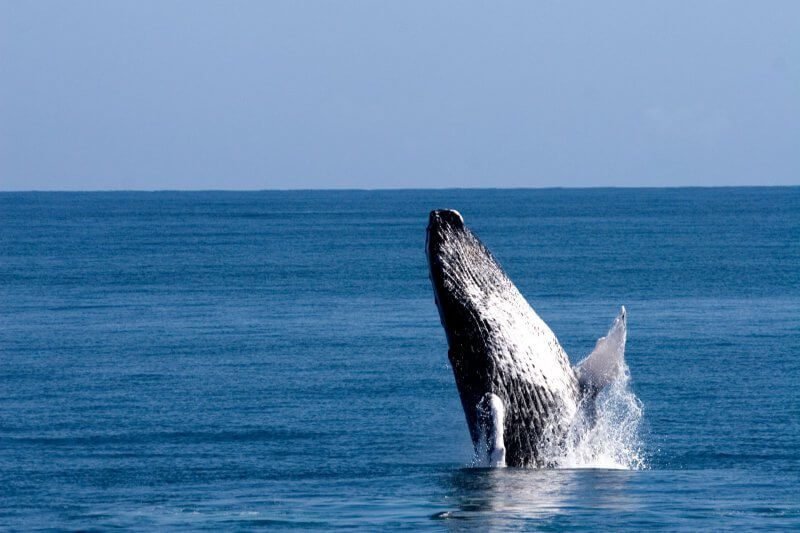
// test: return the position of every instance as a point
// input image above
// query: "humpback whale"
(519, 392)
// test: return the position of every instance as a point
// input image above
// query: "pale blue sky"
(372, 94)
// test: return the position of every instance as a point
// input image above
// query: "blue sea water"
(221, 360)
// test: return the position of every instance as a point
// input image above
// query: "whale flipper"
(491, 450)
(607, 360)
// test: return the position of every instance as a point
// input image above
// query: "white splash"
(607, 435)
(605, 432)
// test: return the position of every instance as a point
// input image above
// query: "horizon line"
(397, 189)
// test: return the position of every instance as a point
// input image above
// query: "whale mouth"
(446, 241)
(442, 224)
(444, 227)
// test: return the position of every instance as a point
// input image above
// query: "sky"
(407, 94)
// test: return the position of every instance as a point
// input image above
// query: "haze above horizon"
(369, 95)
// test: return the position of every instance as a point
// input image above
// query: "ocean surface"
(225, 360)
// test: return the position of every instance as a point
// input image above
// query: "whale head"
(462, 271)
(467, 281)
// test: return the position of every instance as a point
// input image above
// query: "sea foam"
(607, 435)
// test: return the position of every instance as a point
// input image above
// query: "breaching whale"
(519, 392)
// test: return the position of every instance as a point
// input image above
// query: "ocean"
(240, 360)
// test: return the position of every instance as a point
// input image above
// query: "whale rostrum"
(518, 390)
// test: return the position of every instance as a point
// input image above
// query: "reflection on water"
(507, 497)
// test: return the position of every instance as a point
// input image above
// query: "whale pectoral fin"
(607, 360)
(491, 447)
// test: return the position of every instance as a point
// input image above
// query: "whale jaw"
(499, 348)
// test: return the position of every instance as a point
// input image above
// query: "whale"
(519, 392)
